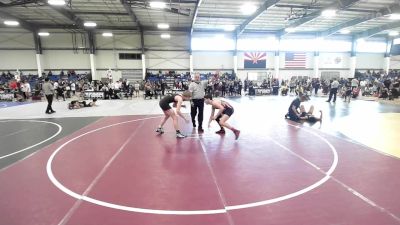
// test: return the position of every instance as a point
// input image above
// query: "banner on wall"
(295, 60)
(255, 60)
(333, 61)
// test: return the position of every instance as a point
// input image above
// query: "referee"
(197, 88)
(48, 91)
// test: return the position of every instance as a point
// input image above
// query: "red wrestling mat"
(119, 171)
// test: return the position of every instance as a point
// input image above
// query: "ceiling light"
(165, 36)
(56, 2)
(394, 17)
(163, 26)
(290, 29)
(90, 24)
(248, 8)
(44, 34)
(328, 13)
(345, 31)
(11, 23)
(107, 34)
(229, 28)
(393, 33)
(361, 40)
(158, 5)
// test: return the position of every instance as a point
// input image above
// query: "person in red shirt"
(13, 85)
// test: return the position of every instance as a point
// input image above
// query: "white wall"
(174, 55)
(16, 40)
(106, 59)
(212, 60)
(65, 59)
(334, 61)
(119, 41)
(63, 40)
(370, 61)
(172, 60)
(176, 42)
(395, 62)
(17, 59)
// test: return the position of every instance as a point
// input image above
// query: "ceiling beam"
(296, 6)
(354, 22)
(68, 14)
(101, 13)
(196, 11)
(211, 16)
(23, 23)
(134, 18)
(267, 4)
(338, 4)
(129, 10)
(170, 1)
(111, 28)
(376, 30)
(171, 9)
(18, 3)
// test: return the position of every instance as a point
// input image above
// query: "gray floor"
(21, 128)
(17, 135)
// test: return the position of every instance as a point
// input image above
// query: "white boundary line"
(176, 212)
(34, 121)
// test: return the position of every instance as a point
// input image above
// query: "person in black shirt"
(169, 112)
(225, 111)
(293, 111)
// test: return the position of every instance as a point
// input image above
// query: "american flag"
(295, 60)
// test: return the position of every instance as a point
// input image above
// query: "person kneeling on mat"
(295, 115)
(224, 113)
(177, 100)
(293, 112)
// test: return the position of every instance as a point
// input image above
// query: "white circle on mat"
(184, 212)
(33, 121)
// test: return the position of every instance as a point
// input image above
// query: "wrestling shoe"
(180, 135)
(222, 131)
(160, 130)
(237, 133)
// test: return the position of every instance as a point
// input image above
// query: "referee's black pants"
(198, 104)
(49, 108)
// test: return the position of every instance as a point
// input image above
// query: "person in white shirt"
(333, 91)
(197, 88)
(73, 88)
(27, 91)
(137, 87)
(362, 85)
(354, 83)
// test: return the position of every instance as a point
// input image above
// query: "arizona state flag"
(255, 60)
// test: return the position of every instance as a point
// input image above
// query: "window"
(258, 44)
(217, 43)
(371, 47)
(335, 46)
(130, 56)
